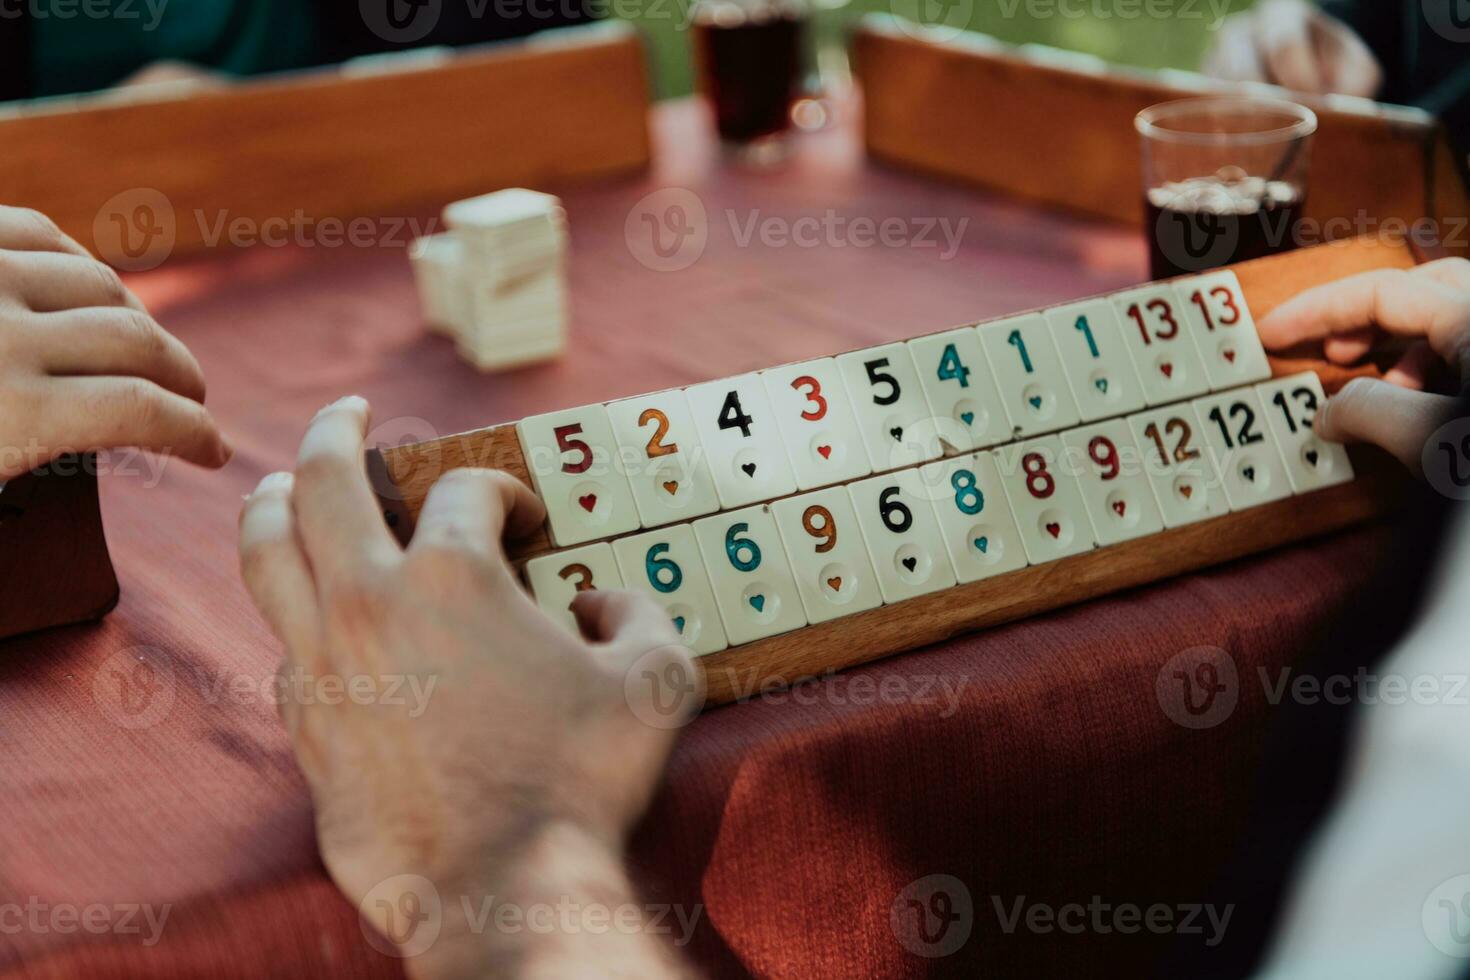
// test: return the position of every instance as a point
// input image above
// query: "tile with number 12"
(1239, 438)
(1185, 481)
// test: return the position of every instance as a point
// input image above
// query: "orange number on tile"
(656, 445)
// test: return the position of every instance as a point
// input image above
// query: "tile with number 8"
(816, 422)
(667, 565)
(974, 516)
(572, 456)
(749, 573)
(1239, 439)
(1166, 359)
(1029, 373)
(737, 427)
(963, 397)
(904, 541)
(662, 457)
(1109, 468)
(1223, 329)
(889, 404)
(1291, 404)
(1045, 499)
(1185, 481)
(828, 555)
(1090, 342)
(556, 579)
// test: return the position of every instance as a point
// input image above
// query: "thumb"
(1395, 419)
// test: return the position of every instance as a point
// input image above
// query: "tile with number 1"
(662, 456)
(1029, 373)
(828, 555)
(737, 427)
(572, 456)
(1089, 340)
(667, 565)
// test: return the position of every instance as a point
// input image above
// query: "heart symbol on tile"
(588, 502)
(1035, 401)
(825, 452)
(1055, 530)
(911, 563)
(679, 623)
(1249, 473)
(983, 544)
(672, 486)
(749, 469)
(1119, 507)
(835, 583)
(758, 602)
(1229, 355)
(968, 418)
(897, 433)
(1102, 385)
(1312, 456)
(1186, 491)
(1167, 368)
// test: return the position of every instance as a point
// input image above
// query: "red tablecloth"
(1034, 763)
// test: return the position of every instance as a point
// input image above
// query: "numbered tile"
(1029, 374)
(666, 564)
(556, 579)
(1239, 441)
(963, 397)
(661, 454)
(1223, 329)
(1290, 404)
(572, 456)
(889, 403)
(1108, 465)
(974, 516)
(750, 575)
(1089, 339)
(828, 555)
(1166, 359)
(1185, 481)
(737, 427)
(903, 536)
(1046, 500)
(816, 423)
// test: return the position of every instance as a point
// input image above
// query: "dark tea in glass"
(750, 62)
(1206, 222)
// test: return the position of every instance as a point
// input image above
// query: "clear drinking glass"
(1224, 179)
(750, 56)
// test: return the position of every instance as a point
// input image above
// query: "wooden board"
(1057, 129)
(402, 476)
(334, 144)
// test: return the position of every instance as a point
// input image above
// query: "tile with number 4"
(974, 516)
(1090, 342)
(749, 573)
(816, 422)
(1109, 467)
(889, 403)
(963, 397)
(903, 536)
(1029, 373)
(662, 457)
(1045, 499)
(1185, 481)
(1291, 404)
(1166, 359)
(828, 555)
(666, 564)
(572, 456)
(1239, 439)
(1223, 329)
(556, 579)
(737, 427)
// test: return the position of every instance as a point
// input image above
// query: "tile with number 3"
(963, 397)
(661, 454)
(816, 422)
(556, 579)
(903, 536)
(737, 427)
(1291, 404)
(749, 574)
(572, 456)
(828, 555)
(666, 564)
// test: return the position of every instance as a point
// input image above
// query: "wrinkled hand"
(1294, 44)
(1428, 305)
(83, 366)
(526, 750)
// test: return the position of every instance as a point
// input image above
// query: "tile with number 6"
(749, 573)
(974, 516)
(889, 403)
(1166, 359)
(1090, 343)
(1045, 499)
(1239, 439)
(662, 456)
(1109, 467)
(1029, 373)
(1185, 481)
(963, 397)
(1291, 404)
(904, 541)
(737, 427)
(1223, 329)
(572, 456)
(816, 421)
(828, 555)
(556, 579)
(666, 564)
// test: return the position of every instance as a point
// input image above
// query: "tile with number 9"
(974, 516)
(1166, 359)
(1291, 404)
(963, 397)
(749, 573)
(663, 458)
(556, 579)
(666, 564)
(572, 456)
(828, 555)
(737, 427)
(1090, 343)
(1109, 468)
(1045, 499)
(904, 541)
(816, 422)
(1029, 373)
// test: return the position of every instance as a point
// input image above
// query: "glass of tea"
(750, 60)
(1224, 180)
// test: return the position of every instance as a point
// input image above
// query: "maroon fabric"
(144, 765)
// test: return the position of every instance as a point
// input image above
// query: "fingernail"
(275, 482)
(224, 452)
(354, 403)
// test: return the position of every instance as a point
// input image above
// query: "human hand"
(1427, 306)
(83, 367)
(525, 764)
(1294, 44)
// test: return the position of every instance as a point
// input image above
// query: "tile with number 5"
(556, 579)
(1029, 373)
(1045, 499)
(1291, 404)
(666, 564)
(662, 456)
(1223, 329)
(1090, 343)
(828, 555)
(903, 536)
(816, 422)
(1109, 467)
(737, 427)
(572, 456)
(1239, 439)
(963, 397)
(1166, 359)
(889, 403)
(974, 516)
(749, 574)
(1185, 481)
